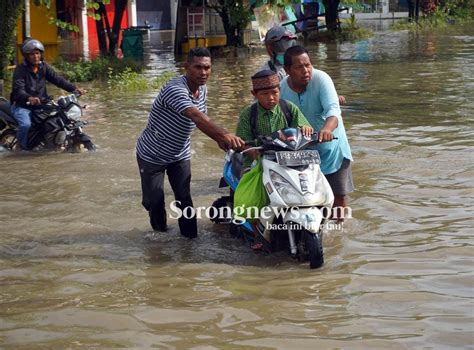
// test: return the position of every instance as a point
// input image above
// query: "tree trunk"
(417, 9)
(231, 32)
(9, 12)
(120, 6)
(108, 30)
(332, 15)
(99, 25)
(413, 10)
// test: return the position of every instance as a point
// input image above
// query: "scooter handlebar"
(258, 144)
(315, 136)
(252, 143)
(262, 139)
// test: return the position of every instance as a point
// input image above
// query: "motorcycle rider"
(277, 40)
(29, 86)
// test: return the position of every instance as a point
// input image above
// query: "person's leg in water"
(153, 197)
(341, 184)
(179, 175)
(23, 117)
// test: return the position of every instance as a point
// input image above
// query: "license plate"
(296, 158)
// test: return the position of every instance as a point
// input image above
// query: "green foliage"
(403, 24)
(351, 22)
(127, 80)
(99, 68)
(348, 34)
(463, 9)
(63, 25)
(159, 81)
(448, 12)
(350, 31)
(349, 3)
(91, 6)
(281, 3)
(239, 14)
(131, 81)
(235, 15)
(45, 3)
(121, 75)
(9, 12)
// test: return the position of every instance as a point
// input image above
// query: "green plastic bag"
(250, 195)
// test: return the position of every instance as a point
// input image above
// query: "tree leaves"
(63, 25)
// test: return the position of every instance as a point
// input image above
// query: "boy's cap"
(265, 79)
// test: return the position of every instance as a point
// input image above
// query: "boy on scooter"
(269, 113)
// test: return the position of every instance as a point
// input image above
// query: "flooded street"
(80, 267)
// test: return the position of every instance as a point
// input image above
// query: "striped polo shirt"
(167, 136)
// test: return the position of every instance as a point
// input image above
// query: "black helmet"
(30, 45)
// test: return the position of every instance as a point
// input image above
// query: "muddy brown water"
(80, 267)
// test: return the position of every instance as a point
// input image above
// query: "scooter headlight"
(284, 188)
(74, 113)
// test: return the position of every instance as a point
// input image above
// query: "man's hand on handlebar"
(307, 130)
(230, 141)
(325, 135)
(80, 92)
(33, 101)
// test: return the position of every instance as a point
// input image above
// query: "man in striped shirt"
(165, 143)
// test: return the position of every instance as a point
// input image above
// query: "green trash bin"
(132, 43)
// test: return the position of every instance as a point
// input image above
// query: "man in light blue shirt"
(314, 93)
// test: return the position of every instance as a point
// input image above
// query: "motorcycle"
(55, 125)
(299, 196)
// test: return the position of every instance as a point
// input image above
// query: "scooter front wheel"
(314, 246)
(89, 145)
(8, 139)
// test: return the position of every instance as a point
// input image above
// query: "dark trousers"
(179, 176)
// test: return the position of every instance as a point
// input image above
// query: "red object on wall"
(91, 25)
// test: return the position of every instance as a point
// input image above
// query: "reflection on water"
(80, 268)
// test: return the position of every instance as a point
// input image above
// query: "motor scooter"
(300, 197)
(55, 125)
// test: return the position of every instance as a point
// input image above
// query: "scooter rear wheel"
(314, 245)
(235, 230)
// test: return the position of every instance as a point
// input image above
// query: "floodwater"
(81, 269)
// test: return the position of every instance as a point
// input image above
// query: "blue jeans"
(23, 117)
